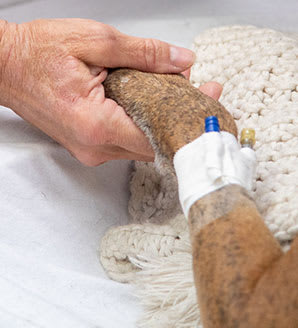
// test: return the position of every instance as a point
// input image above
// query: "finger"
(97, 155)
(110, 48)
(95, 70)
(112, 152)
(102, 154)
(211, 89)
(186, 73)
(124, 133)
(106, 123)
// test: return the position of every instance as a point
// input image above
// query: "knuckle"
(104, 31)
(152, 51)
(110, 32)
(87, 158)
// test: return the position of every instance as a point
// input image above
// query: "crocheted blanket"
(258, 69)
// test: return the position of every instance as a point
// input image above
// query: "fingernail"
(181, 57)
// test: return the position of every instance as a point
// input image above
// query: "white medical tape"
(210, 162)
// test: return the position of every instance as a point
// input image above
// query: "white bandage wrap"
(213, 160)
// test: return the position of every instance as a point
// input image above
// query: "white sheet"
(53, 214)
(54, 210)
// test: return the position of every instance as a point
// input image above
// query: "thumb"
(155, 55)
(116, 49)
(211, 89)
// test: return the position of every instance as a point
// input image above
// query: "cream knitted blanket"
(258, 69)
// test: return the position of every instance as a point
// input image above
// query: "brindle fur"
(181, 108)
(242, 277)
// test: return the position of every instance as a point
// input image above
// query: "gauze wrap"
(208, 163)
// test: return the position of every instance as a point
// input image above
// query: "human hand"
(52, 73)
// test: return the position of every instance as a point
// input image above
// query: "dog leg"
(242, 277)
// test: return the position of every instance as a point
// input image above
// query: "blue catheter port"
(211, 124)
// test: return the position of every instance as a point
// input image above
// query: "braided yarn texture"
(258, 69)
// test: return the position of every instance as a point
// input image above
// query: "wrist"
(3, 25)
(7, 45)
